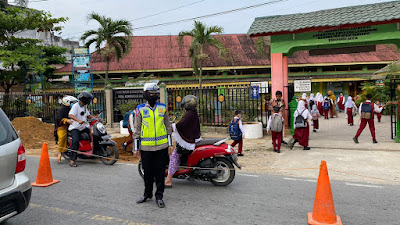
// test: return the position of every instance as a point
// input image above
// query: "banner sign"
(302, 85)
(82, 78)
(263, 86)
(82, 62)
(255, 92)
(81, 51)
(120, 96)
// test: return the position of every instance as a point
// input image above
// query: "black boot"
(306, 148)
(355, 140)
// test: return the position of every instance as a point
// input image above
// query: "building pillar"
(279, 78)
(163, 93)
(109, 106)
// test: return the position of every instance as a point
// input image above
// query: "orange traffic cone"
(324, 209)
(44, 177)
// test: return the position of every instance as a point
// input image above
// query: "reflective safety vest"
(153, 130)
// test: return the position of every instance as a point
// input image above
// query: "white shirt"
(77, 110)
(305, 114)
(270, 121)
(376, 108)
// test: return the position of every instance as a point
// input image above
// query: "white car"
(15, 186)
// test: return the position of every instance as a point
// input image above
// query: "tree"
(20, 3)
(19, 56)
(110, 31)
(202, 36)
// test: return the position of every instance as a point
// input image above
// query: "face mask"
(153, 99)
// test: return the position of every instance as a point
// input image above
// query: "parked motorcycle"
(97, 144)
(212, 160)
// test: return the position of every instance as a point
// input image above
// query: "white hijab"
(320, 98)
(349, 102)
(304, 96)
(312, 96)
(301, 108)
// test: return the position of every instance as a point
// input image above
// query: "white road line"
(247, 175)
(306, 180)
(363, 185)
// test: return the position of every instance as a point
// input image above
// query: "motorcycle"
(97, 144)
(212, 160)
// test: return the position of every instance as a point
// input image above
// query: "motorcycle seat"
(210, 141)
(82, 135)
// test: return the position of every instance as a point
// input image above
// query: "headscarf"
(332, 96)
(304, 96)
(301, 108)
(312, 96)
(62, 113)
(349, 102)
(320, 98)
(189, 126)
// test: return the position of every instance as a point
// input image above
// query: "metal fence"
(393, 108)
(44, 106)
(217, 105)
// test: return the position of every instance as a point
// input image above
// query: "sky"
(133, 10)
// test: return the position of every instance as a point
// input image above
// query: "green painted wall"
(371, 35)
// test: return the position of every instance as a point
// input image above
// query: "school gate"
(327, 32)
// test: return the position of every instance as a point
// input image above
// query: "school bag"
(300, 122)
(311, 103)
(366, 110)
(277, 123)
(234, 130)
(314, 115)
(326, 105)
(125, 119)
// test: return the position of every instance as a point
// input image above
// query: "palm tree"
(116, 35)
(202, 36)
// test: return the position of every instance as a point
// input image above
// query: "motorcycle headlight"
(100, 127)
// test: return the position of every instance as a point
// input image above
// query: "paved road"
(97, 194)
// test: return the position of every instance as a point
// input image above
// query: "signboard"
(82, 78)
(263, 86)
(302, 85)
(121, 96)
(255, 92)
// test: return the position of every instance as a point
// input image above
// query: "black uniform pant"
(154, 163)
(75, 133)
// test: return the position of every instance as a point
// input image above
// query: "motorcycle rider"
(62, 123)
(152, 136)
(186, 134)
(80, 114)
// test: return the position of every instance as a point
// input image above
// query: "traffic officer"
(152, 136)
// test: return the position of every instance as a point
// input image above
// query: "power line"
(151, 15)
(206, 16)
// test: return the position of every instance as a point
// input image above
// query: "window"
(328, 69)
(7, 132)
(376, 66)
(296, 70)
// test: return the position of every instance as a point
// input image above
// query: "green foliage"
(19, 55)
(202, 37)
(129, 105)
(110, 31)
(33, 110)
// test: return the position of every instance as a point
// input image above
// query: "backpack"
(234, 130)
(366, 111)
(314, 115)
(300, 122)
(311, 103)
(125, 120)
(277, 123)
(326, 105)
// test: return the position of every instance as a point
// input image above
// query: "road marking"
(363, 185)
(307, 180)
(247, 175)
(86, 215)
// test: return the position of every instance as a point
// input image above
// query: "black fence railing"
(217, 105)
(43, 106)
(393, 108)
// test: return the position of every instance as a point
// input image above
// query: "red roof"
(163, 52)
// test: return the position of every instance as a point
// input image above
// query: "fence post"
(163, 93)
(109, 105)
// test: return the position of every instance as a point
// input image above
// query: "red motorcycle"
(212, 160)
(97, 144)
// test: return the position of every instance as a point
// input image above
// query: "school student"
(379, 115)
(315, 116)
(320, 102)
(301, 126)
(236, 131)
(326, 107)
(367, 110)
(275, 125)
(350, 109)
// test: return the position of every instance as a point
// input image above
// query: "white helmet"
(151, 88)
(69, 100)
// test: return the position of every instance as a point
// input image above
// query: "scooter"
(97, 144)
(212, 160)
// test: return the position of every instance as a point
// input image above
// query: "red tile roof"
(164, 52)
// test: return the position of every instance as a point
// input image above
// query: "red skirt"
(316, 124)
(302, 135)
(320, 108)
(350, 116)
(341, 106)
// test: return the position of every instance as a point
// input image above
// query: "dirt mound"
(34, 132)
(123, 155)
